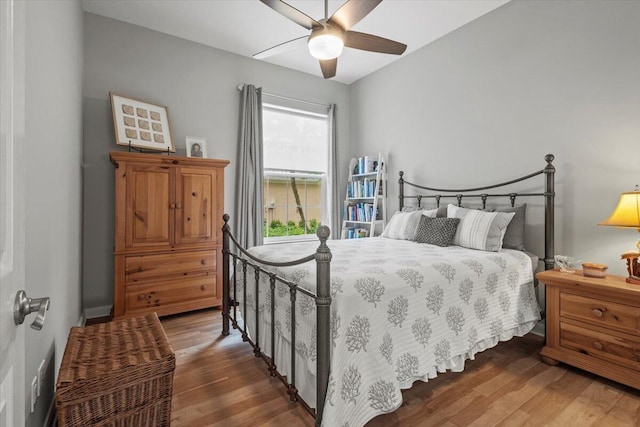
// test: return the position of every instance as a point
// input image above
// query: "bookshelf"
(365, 210)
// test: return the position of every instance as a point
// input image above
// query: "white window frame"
(286, 106)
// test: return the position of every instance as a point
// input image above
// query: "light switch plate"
(40, 376)
(34, 393)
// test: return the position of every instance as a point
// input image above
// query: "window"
(296, 155)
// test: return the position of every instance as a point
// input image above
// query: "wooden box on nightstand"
(593, 324)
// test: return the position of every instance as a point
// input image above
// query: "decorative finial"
(549, 158)
(323, 232)
(225, 218)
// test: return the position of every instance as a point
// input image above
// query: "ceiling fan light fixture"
(325, 44)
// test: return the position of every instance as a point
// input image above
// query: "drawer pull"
(597, 345)
(140, 297)
(172, 205)
(597, 312)
(203, 287)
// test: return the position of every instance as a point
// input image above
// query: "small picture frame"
(196, 147)
(140, 124)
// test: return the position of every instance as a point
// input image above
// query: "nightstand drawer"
(620, 348)
(619, 317)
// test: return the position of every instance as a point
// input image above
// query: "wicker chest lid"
(114, 354)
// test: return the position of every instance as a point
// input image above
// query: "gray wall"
(53, 183)
(198, 84)
(488, 101)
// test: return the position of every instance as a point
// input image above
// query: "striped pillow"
(402, 225)
(479, 229)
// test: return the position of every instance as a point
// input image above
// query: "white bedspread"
(401, 312)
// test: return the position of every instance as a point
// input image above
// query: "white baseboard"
(539, 329)
(93, 312)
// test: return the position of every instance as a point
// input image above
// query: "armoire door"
(150, 206)
(196, 192)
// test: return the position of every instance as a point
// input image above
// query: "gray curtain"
(334, 205)
(247, 225)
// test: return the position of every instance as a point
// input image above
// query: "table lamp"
(627, 214)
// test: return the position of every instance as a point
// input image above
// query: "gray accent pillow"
(442, 212)
(436, 231)
(514, 236)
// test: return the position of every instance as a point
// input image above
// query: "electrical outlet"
(34, 393)
(40, 376)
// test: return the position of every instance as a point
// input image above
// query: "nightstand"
(593, 324)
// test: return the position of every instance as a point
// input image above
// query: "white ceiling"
(246, 27)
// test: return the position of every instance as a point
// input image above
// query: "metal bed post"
(549, 226)
(401, 194)
(323, 313)
(225, 275)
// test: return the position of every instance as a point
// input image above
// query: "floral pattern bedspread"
(401, 311)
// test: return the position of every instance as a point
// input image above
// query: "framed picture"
(140, 124)
(196, 147)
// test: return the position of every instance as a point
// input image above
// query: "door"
(12, 227)
(150, 206)
(195, 200)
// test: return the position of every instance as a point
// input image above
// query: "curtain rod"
(288, 98)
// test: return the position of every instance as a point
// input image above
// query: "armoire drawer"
(143, 268)
(619, 348)
(619, 317)
(160, 294)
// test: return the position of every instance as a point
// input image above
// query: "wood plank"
(218, 382)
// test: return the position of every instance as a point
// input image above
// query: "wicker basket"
(116, 374)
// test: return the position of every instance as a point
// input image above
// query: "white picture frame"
(140, 124)
(196, 146)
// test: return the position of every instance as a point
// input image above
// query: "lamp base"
(633, 280)
(633, 267)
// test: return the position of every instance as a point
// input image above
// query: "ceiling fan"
(330, 34)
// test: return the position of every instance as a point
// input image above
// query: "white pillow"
(402, 225)
(479, 229)
(430, 213)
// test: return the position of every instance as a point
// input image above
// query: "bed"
(372, 316)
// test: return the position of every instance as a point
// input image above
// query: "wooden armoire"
(168, 237)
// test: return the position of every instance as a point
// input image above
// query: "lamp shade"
(627, 213)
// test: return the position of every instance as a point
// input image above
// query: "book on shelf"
(361, 212)
(366, 164)
(364, 209)
(361, 188)
(355, 233)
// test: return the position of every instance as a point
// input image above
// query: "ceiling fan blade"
(292, 13)
(373, 43)
(328, 67)
(352, 12)
(282, 47)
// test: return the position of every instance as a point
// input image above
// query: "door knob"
(24, 306)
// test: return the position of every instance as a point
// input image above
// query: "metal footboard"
(247, 261)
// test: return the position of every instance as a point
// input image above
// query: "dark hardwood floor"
(218, 382)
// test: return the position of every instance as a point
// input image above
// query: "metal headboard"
(458, 194)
